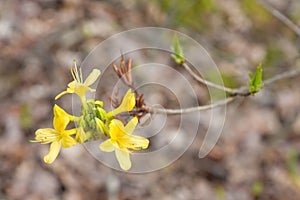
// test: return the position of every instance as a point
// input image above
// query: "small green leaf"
(178, 53)
(255, 82)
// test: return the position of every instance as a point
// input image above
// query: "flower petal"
(72, 84)
(91, 89)
(129, 100)
(123, 159)
(46, 135)
(92, 77)
(68, 141)
(61, 94)
(61, 118)
(127, 104)
(80, 90)
(129, 128)
(53, 152)
(60, 112)
(107, 146)
(117, 129)
(134, 142)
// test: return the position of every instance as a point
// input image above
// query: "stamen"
(80, 72)
(72, 72)
(76, 72)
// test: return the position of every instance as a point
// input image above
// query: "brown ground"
(257, 156)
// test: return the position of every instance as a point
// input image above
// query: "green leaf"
(255, 82)
(178, 53)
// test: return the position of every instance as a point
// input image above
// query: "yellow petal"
(61, 118)
(53, 152)
(134, 142)
(58, 111)
(69, 90)
(91, 90)
(61, 94)
(92, 77)
(80, 90)
(123, 159)
(72, 84)
(127, 104)
(107, 146)
(68, 141)
(129, 128)
(129, 100)
(116, 129)
(69, 132)
(47, 135)
(80, 135)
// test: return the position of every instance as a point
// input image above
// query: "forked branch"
(125, 74)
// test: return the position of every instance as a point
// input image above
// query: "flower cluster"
(94, 123)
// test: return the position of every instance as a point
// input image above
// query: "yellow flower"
(127, 104)
(58, 136)
(78, 86)
(122, 141)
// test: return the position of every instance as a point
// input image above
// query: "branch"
(142, 108)
(208, 83)
(233, 92)
(276, 13)
(288, 74)
(188, 110)
(242, 90)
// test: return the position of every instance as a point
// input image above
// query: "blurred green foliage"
(273, 56)
(256, 12)
(293, 167)
(25, 117)
(292, 163)
(295, 11)
(220, 192)
(257, 188)
(228, 79)
(188, 13)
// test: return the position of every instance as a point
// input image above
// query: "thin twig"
(288, 74)
(188, 110)
(233, 92)
(243, 90)
(205, 82)
(276, 13)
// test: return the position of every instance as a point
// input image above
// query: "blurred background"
(257, 156)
